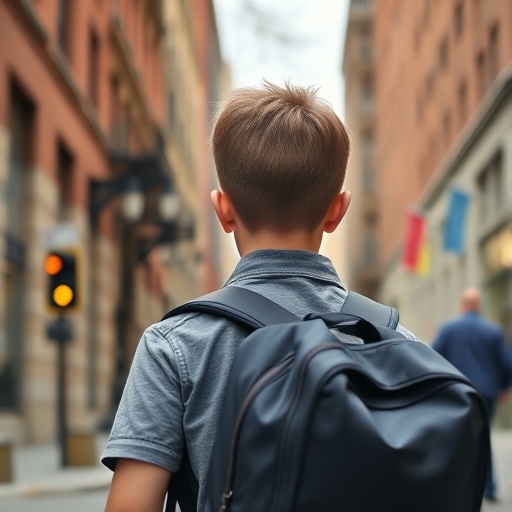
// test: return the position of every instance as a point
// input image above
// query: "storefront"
(497, 277)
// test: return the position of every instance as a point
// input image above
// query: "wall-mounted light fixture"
(143, 173)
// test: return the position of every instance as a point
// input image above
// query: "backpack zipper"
(291, 412)
(267, 378)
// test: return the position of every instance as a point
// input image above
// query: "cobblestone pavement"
(502, 453)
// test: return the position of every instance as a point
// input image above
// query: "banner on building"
(456, 221)
(423, 264)
(414, 241)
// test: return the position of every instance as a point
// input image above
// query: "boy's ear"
(224, 210)
(337, 211)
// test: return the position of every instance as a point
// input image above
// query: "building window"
(368, 174)
(368, 179)
(463, 103)
(370, 249)
(417, 37)
(93, 67)
(120, 123)
(365, 47)
(494, 57)
(64, 181)
(443, 53)
(432, 147)
(12, 298)
(447, 128)
(459, 18)
(419, 107)
(367, 92)
(367, 97)
(481, 73)
(429, 85)
(62, 25)
(496, 256)
(426, 13)
(490, 189)
(171, 112)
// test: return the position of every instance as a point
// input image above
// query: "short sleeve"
(408, 334)
(149, 422)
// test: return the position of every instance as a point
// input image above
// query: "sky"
(296, 40)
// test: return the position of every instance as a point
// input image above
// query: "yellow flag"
(423, 265)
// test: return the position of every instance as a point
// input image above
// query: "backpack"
(337, 412)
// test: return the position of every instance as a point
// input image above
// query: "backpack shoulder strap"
(240, 305)
(367, 309)
(243, 307)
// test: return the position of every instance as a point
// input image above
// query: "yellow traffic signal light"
(61, 268)
(63, 295)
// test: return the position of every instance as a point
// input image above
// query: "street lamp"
(144, 174)
(137, 178)
(131, 187)
(169, 206)
(132, 201)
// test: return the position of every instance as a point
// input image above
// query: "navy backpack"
(337, 412)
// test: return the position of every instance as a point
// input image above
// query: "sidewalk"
(37, 472)
(502, 453)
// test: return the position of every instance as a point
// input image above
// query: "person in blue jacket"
(476, 347)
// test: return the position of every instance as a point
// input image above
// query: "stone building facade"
(195, 78)
(361, 224)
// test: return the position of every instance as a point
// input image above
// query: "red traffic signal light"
(61, 268)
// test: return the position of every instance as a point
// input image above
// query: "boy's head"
(281, 156)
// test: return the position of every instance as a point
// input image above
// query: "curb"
(41, 488)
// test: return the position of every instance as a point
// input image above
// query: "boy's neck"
(297, 240)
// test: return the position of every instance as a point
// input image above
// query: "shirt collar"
(289, 263)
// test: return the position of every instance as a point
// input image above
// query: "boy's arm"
(146, 442)
(138, 486)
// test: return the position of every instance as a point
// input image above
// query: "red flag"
(413, 242)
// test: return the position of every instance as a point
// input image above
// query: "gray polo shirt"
(176, 383)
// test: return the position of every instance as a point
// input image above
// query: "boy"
(281, 155)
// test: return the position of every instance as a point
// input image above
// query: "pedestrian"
(476, 347)
(281, 156)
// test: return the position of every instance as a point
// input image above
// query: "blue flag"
(456, 222)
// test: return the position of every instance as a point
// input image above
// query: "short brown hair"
(281, 156)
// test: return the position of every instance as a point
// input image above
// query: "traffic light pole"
(60, 330)
(61, 403)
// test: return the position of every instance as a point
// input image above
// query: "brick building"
(435, 62)
(443, 81)
(86, 118)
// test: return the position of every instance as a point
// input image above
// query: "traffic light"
(61, 267)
